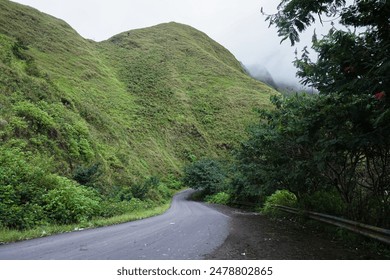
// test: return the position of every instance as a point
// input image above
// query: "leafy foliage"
(23, 182)
(69, 203)
(124, 194)
(30, 197)
(331, 150)
(218, 198)
(315, 145)
(347, 60)
(87, 175)
(279, 153)
(280, 197)
(206, 175)
(324, 201)
(141, 190)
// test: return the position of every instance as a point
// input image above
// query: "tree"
(355, 60)
(206, 174)
(340, 138)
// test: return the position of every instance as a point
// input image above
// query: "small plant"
(19, 49)
(87, 175)
(172, 182)
(124, 194)
(218, 198)
(280, 197)
(160, 193)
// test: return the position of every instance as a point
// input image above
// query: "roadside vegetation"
(327, 152)
(142, 211)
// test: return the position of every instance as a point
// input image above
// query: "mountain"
(260, 73)
(141, 103)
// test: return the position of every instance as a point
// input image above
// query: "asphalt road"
(188, 230)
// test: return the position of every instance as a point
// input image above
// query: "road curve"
(188, 230)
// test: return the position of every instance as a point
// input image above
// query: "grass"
(7, 235)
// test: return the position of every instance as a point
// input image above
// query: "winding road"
(188, 230)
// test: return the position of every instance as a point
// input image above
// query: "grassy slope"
(140, 103)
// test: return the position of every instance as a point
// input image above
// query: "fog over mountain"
(261, 73)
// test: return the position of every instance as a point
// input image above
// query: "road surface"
(188, 230)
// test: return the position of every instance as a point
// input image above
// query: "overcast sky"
(236, 24)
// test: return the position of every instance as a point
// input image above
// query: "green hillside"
(142, 103)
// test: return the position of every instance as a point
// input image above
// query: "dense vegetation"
(332, 149)
(100, 129)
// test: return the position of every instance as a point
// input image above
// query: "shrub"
(23, 182)
(324, 201)
(70, 203)
(124, 194)
(87, 175)
(31, 68)
(206, 175)
(141, 190)
(159, 194)
(172, 182)
(198, 196)
(17, 215)
(40, 121)
(218, 198)
(280, 197)
(19, 49)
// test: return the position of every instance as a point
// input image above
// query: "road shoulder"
(254, 236)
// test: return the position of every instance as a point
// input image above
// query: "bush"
(70, 203)
(141, 190)
(87, 175)
(124, 194)
(152, 190)
(23, 182)
(280, 197)
(18, 215)
(327, 202)
(19, 49)
(198, 196)
(207, 175)
(218, 198)
(159, 194)
(172, 182)
(40, 121)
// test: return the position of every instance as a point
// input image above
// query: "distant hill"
(261, 73)
(142, 103)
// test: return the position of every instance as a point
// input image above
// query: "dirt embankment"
(255, 236)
